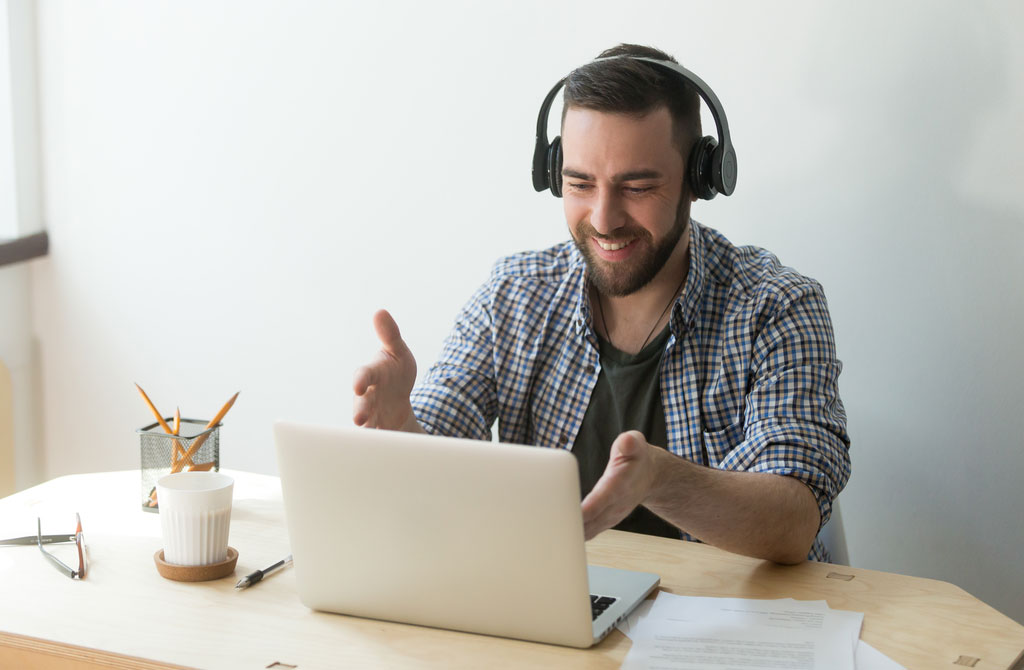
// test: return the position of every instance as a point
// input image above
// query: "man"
(695, 381)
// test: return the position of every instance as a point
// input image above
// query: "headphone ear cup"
(554, 167)
(699, 168)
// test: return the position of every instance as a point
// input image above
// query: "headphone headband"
(720, 167)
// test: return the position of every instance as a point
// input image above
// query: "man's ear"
(691, 193)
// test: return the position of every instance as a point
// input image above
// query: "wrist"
(669, 482)
(659, 479)
(411, 425)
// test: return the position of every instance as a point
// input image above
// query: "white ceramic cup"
(195, 516)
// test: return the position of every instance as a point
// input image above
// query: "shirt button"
(565, 439)
(590, 369)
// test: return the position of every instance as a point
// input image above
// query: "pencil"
(177, 448)
(223, 410)
(202, 438)
(175, 445)
(156, 413)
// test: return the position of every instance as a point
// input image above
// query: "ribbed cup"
(195, 516)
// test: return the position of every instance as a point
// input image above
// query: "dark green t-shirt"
(627, 396)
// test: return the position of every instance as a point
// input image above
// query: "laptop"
(445, 532)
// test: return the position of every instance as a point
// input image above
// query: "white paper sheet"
(869, 658)
(687, 633)
(629, 624)
(866, 657)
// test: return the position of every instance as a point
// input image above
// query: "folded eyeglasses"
(39, 539)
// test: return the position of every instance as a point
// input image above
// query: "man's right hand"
(382, 388)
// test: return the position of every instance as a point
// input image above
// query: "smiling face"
(624, 198)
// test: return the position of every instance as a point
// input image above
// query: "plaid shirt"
(749, 377)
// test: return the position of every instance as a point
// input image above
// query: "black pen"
(254, 577)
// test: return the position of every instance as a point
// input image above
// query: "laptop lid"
(443, 532)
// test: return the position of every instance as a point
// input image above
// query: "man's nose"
(607, 215)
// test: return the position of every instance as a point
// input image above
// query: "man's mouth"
(613, 246)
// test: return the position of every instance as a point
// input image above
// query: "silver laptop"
(446, 532)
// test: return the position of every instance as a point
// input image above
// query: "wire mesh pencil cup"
(196, 447)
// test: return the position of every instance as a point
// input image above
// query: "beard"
(622, 279)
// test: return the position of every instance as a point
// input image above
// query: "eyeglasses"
(39, 539)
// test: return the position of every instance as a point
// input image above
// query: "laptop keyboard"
(598, 604)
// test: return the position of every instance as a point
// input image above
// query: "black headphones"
(711, 168)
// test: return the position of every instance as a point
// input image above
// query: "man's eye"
(579, 186)
(637, 190)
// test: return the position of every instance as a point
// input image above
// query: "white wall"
(20, 215)
(233, 188)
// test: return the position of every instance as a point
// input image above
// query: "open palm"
(383, 386)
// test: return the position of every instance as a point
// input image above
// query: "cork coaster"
(196, 573)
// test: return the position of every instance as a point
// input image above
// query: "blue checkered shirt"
(749, 376)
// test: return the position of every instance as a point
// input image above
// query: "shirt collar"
(583, 315)
(687, 307)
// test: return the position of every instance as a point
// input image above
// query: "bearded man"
(695, 381)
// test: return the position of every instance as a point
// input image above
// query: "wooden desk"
(124, 613)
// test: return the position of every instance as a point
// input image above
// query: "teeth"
(612, 246)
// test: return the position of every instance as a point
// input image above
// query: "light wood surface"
(124, 615)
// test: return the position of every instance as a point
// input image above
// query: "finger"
(591, 527)
(603, 512)
(595, 528)
(363, 419)
(590, 508)
(629, 446)
(604, 492)
(364, 409)
(597, 518)
(595, 502)
(363, 379)
(613, 496)
(597, 510)
(387, 330)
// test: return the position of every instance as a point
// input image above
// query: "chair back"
(833, 536)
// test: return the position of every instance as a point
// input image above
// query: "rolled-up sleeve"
(457, 397)
(794, 420)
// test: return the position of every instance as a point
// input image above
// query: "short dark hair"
(626, 86)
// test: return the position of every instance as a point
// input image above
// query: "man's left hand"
(627, 481)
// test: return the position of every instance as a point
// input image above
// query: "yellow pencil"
(175, 445)
(177, 448)
(156, 413)
(202, 438)
(223, 410)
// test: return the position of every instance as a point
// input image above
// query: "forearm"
(752, 513)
